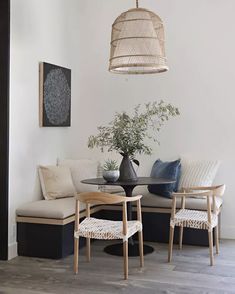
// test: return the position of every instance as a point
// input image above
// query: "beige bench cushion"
(65, 207)
(56, 209)
(151, 200)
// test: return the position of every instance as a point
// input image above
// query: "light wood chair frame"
(208, 192)
(105, 198)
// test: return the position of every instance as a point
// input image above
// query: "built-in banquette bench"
(45, 228)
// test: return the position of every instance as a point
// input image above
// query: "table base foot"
(133, 250)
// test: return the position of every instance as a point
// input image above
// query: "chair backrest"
(216, 190)
(106, 198)
(99, 198)
(212, 191)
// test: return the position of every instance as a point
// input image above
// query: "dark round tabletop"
(141, 181)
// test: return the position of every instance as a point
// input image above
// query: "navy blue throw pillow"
(168, 170)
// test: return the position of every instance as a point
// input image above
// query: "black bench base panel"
(45, 241)
(56, 241)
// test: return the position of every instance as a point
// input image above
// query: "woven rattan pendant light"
(137, 43)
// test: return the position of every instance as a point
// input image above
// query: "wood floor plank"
(189, 272)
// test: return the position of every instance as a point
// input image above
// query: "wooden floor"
(188, 273)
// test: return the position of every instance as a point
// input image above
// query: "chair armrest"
(134, 198)
(217, 190)
(192, 194)
(198, 188)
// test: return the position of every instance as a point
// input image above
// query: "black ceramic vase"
(127, 172)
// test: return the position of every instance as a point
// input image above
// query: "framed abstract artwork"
(55, 95)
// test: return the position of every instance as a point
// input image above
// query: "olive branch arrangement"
(127, 133)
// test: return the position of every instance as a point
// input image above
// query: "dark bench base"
(56, 241)
(45, 241)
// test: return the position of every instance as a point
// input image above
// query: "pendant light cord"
(137, 3)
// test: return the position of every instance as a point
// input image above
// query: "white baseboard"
(12, 250)
(228, 232)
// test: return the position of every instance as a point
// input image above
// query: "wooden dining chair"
(93, 228)
(197, 219)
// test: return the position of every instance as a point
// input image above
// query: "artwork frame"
(54, 95)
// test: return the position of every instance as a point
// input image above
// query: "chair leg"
(125, 256)
(76, 254)
(141, 248)
(181, 237)
(217, 239)
(210, 235)
(219, 226)
(88, 249)
(171, 238)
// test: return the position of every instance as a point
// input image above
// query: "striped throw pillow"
(196, 173)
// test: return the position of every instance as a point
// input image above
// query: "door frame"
(4, 124)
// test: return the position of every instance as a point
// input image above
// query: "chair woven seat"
(194, 219)
(105, 229)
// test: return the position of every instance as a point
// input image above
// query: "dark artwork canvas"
(55, 96)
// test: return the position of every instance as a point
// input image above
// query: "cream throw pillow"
(197, 173)
(56, 182)
(81, 169)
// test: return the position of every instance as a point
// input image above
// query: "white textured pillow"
(196, 173)
(81, 169)
(56, 182)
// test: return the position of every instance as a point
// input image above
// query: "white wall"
(200, 49)
(76, 34)
(40, 31)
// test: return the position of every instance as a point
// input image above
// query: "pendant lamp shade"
(137, 43)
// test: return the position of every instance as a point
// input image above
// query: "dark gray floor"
(188, 273)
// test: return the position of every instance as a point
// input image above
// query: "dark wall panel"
(4, 125)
